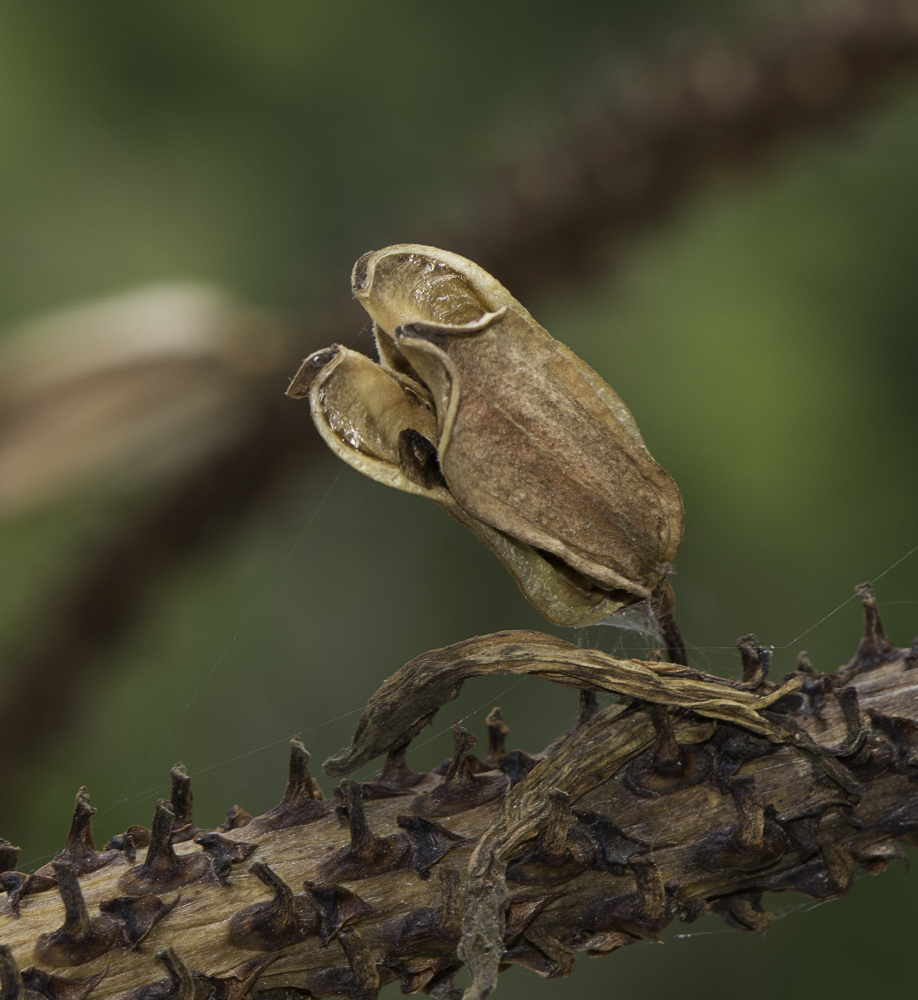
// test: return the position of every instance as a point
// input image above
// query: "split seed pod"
(474, 405)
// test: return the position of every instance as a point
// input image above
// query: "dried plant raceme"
(476, 406)
(689, 795)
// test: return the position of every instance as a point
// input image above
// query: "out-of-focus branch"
(711, 106)
(608, 178)
(112, 582)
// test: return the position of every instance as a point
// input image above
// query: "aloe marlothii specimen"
(476, 406)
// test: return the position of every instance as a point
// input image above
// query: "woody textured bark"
(689, 795)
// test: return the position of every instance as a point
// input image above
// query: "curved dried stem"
(644, 812)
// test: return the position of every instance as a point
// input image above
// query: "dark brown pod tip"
(303, 800)
(559, 853)
(11, 987)
(667, 767)
(80, 849)
(497, 737)
(756, 661)
(182, 802)
(589, 706)
(237, 983)
(461, 788)
(415, 976)
(366, 855)
(178, 986)
(874, 648)
(336, 907)
(224, 853)
(744, 911)
(236, 818)
(60, 987)
(162, 868)
(9, 856)
(276, 924)
(418, 461)
(137, 915)
(301, 383)
(429, 842)
(80, 938)
(755, 842)
(360, 959)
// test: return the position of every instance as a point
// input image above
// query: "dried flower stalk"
(645, 811)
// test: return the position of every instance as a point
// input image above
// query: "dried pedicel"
(476, 406)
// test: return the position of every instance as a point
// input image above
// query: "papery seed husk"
(531, 441)
(361, 409)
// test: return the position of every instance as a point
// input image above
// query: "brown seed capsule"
(476, 406)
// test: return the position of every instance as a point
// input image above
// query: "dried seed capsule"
(476, 406)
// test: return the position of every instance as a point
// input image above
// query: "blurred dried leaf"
(138, 386)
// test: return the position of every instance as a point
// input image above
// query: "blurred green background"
(765, 340)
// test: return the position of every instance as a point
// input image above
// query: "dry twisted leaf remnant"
(646, 811)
